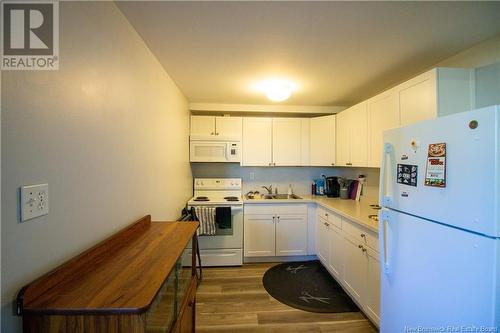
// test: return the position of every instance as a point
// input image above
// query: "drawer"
(332, 218)
(279, 209)
(362, 235)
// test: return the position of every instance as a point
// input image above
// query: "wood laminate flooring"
(233, 299)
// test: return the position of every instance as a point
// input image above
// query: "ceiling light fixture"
(276, 90)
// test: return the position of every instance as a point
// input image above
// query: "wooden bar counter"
(138, 280)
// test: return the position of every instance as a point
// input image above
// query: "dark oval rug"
(308, 286)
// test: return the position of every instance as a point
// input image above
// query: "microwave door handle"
(228, 151)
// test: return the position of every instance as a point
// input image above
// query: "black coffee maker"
(332, 187)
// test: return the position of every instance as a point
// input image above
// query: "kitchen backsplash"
(300, 177)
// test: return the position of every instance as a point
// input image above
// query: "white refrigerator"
(439, 225)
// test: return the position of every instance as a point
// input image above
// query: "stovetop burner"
(201, 199)
(232, 198)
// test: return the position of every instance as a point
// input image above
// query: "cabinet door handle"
(274, 219)
(326, 214)
(270, 164)
(363, 236)
(278, 219)
(326, 224)
(362, 248)
(333, 163)
(212, 133)
(348, 163)
(216, 133)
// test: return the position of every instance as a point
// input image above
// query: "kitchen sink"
(285, 196)
(278, 196)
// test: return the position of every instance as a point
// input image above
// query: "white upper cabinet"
(352, 136)
(438, 92)
(202, 127)
(322, 141)
(305, 141)
(343, 138)
(417, 99)
(287, 140)
(228, 128)
(359, 135)
(257, 141)
(215, 128)
(275, 141)
(383, 114)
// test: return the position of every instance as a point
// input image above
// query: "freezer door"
(470, 197)
(433, 275)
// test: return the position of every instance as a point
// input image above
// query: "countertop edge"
(318, 202)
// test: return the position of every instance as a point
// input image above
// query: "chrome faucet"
(269, 189)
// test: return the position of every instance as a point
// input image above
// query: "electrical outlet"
(34, 201)
(252, 175)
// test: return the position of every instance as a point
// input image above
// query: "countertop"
(356, 211)
(120, 275)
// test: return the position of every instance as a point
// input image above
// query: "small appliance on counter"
(332, 188)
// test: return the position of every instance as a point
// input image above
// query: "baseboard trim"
(247, 260)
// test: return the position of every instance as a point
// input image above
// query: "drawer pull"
(362, 248)
(363, 236)
(326, 214)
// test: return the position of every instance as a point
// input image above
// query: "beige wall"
(482, 54)
(108, 132)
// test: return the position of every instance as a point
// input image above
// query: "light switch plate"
(34, 201)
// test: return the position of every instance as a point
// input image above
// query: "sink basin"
(276, 197)
(281, 196)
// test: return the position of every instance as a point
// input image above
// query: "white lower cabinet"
(354, 276)
(336, 254)
(275, 230)
(350, 253)
(322, 242)
(259, 235)
(329, 247)
(291, 235)
(372, 300)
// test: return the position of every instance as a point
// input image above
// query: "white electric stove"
(225, 248)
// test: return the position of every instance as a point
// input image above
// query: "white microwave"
(214, 151)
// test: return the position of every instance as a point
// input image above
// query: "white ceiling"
(338, 53)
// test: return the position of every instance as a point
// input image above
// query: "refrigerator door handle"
(386, 175)
(384, 236)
